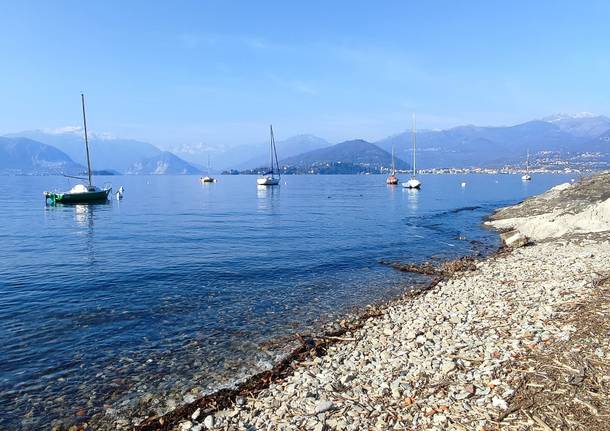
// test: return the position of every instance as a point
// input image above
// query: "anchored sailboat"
(392, 179)
(527, 176)
(81, 193)
(269, 178)
(208, 178)
(413, 183)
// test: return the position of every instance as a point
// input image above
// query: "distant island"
(322, 168)
(349, 157)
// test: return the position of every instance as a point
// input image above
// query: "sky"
(219, 72)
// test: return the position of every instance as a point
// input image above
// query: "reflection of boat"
(269, 178)
(392, 179)
(80, 193)
(267, 198)
(527, 176)
(413, 183)
(412, 199)
(208, 178)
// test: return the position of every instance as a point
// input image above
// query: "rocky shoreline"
(458, 354)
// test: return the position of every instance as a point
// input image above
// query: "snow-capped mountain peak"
(563, 116)
(78, 130)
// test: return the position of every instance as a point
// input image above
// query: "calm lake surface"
(181, 287)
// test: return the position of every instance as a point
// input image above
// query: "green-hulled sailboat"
(81, 193)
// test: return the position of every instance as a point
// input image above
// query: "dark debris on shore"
(310, 346)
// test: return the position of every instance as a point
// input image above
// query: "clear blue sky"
(219, 72)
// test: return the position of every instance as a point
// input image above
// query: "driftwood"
(445, 269)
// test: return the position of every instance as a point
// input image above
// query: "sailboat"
(527, 176)
(81, 193)
(208, 178)
(269, 178)
(392, 179)
(413, 183)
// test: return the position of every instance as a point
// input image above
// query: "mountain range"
(467, 146)
(246, 155)
(107, 153)
(162, 164)
(44, 151)
(22, 156)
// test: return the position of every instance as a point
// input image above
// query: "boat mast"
(271, 148)
(277, 162)
(274, 153)
(413, 139)
(82, 97)
(393, 165)
(527, 163)
(208, 164)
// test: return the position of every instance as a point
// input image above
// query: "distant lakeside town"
(544, 162)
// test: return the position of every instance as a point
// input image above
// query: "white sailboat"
(208, 178)
(269, 178)
(413, 183)
(527, 176)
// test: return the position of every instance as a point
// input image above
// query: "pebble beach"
(464, 354)
(437, 361)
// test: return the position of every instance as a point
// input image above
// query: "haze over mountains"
(25, 156)
(463, 146)
(108, 153)
(467, 146)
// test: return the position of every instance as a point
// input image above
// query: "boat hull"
(207, 180)
(412, 184)
(526, 178)
(391, 180)
(78, 198)
(268, 181)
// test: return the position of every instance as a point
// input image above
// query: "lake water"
(181, 287)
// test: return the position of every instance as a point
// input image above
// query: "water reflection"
(412, 198)
(267, 198)
(84, 216)
(392, 190)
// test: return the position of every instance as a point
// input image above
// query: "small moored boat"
(81, 193)
(269, 178)
(413, 183)
(208, 178)
(392, 179)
